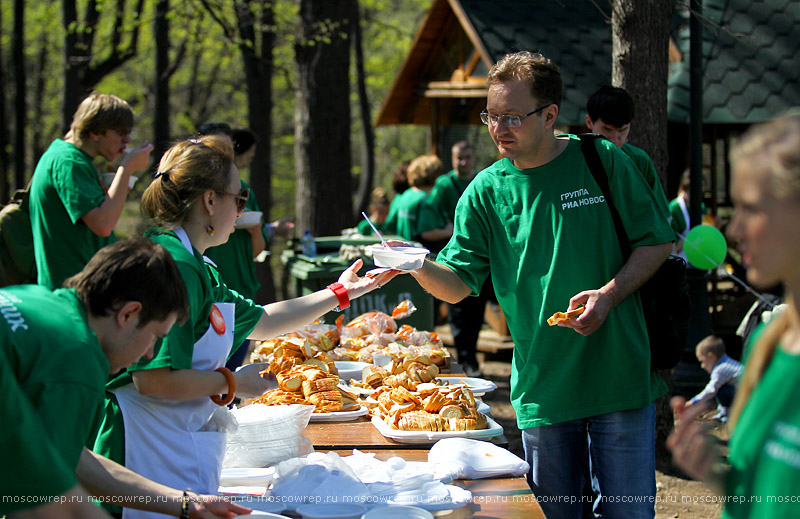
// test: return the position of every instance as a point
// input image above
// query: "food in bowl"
(399, 258)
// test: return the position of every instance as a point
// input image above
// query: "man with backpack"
(539, 223)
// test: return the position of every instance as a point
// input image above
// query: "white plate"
(458, 497)
(331, 510)
(261, 505)
(478, 386)
(249, 219)
(244, 477)
(482, 407)
(494, 429)
(350, 369)
(272, 515)
(339, 416)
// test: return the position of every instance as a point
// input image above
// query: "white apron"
(163, 441)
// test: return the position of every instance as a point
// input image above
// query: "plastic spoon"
(377, 232)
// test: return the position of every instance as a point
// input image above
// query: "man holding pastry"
(539, 225)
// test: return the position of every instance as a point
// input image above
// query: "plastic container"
(400, 258)
(310, 274)
(308, 243)
(249, 219)
(108, 178)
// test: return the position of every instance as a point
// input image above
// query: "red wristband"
(217, 399)
(341, 295)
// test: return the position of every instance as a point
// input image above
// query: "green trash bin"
(312, 273)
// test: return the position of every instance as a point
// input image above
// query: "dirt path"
(676, 497)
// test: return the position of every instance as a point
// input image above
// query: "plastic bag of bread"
(267, 435)
(464, 458)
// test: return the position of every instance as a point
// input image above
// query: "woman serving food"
(166, 401)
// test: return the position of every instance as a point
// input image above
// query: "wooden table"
(506, 498)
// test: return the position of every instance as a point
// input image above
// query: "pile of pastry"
(405, 372)
(305, 376)
(368, 335)
(429, 408)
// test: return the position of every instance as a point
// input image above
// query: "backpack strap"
(598, 171)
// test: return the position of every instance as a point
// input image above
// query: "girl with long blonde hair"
(763, 477)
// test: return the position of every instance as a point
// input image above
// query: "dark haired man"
(609, 112)
(59, 348)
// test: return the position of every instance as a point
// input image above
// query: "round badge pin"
(217, 321)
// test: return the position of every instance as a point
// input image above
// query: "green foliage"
(208, 82)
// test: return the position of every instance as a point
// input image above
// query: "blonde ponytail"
(757, 363)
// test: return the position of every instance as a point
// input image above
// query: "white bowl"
(332, 511)
(350, 369)
(397, 512)
(249, 219)
(108, 178)
(399, 258)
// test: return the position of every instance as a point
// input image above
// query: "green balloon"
(705, 247)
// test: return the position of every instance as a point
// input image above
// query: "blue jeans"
(623, 460)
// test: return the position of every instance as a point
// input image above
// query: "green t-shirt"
(765, 447)
(677, 219)
(234, 258)
(447, 191)
(32, 471)
(648, 169)
(545, 234)
(57, 359)
(204, 287)
(415, 215)
(65, 187)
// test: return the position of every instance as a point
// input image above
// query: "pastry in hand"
(560, 317)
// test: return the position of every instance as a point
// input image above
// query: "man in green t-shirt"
(466, 316)
(539, 225)
(59, 349)
(73, 214)
(609, 112)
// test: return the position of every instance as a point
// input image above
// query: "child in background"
(724, 372)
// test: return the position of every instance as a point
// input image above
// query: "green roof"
(751, 61)
(575, 34)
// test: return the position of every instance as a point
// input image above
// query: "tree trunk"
(81, 71)
(20, 103)
(161, 113)
(4, 191)
(257, 59)
(37, 104)
(322, 118)
(367, 178)
(640, 66)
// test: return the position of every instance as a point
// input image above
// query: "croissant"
(311, 387)
(434, 402)
(420, 421)
(330, 396)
